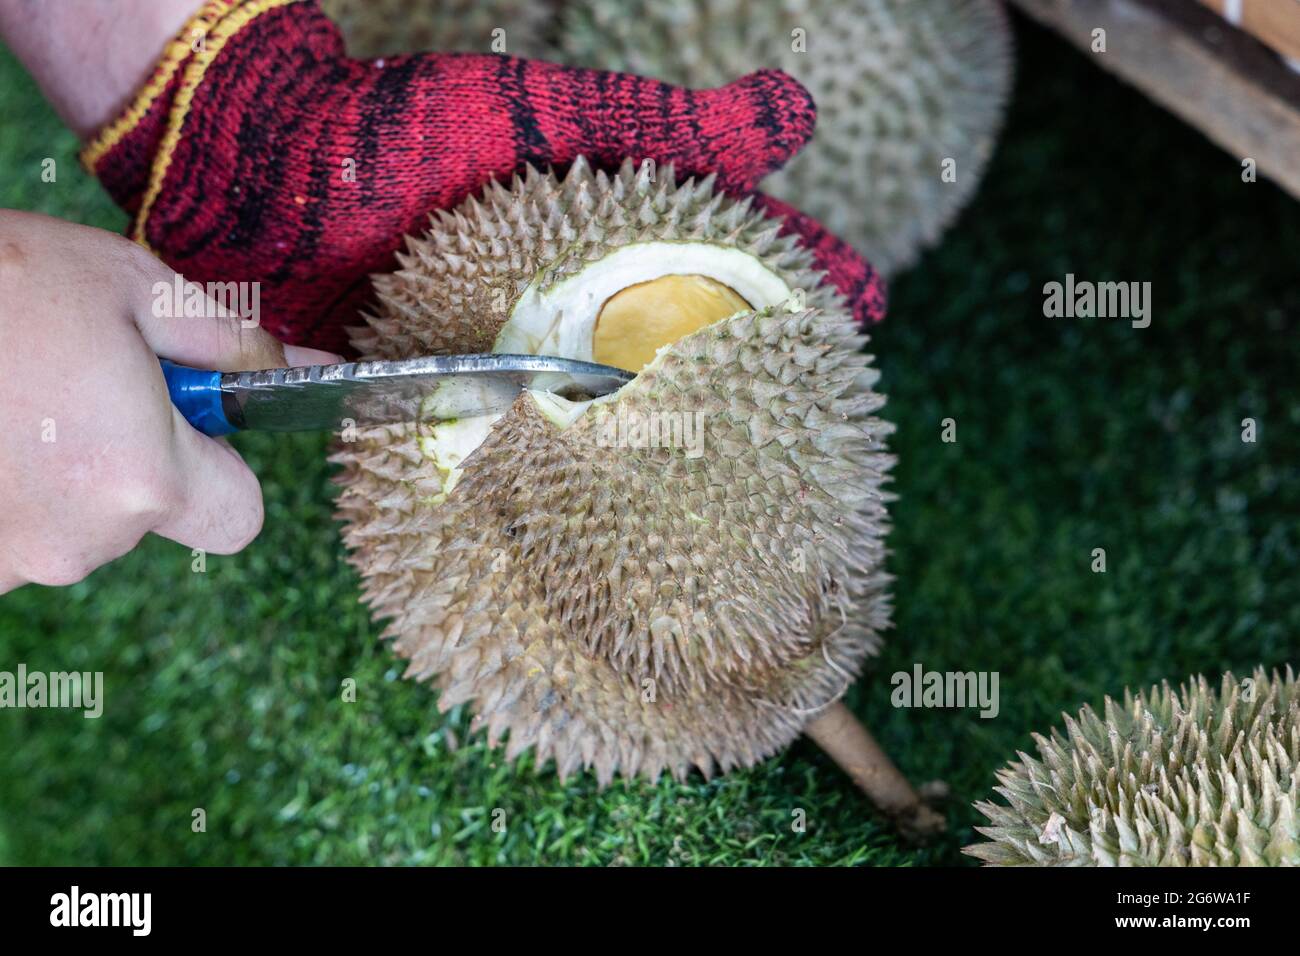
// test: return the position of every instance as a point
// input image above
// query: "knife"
(435, 387)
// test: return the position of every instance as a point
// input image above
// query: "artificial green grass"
(224, 688)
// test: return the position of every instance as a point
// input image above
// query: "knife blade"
(430, 388)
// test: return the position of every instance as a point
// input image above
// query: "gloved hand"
(260, 152)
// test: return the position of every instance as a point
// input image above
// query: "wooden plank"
(1275, 22)
(1225, 83)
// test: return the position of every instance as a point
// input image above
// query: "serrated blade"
(435, 387)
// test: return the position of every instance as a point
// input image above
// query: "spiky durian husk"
(1171, 778)
(559, 576)
(900, 86)
(387, 27)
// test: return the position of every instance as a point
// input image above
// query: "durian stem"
(851, 745)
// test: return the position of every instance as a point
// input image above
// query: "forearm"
(90, 56)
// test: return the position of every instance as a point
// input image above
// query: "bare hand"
(94, 453)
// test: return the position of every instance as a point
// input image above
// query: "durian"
(618, 603)
(374, 28)
(1170, 778)
(910, 95)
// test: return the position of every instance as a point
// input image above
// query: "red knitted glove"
(853, 275)
(268, 155)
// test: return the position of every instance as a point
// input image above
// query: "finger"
(755, 125)
(846, 269)
(295, 355)
(220, 507)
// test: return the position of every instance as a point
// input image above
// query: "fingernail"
(295, 355)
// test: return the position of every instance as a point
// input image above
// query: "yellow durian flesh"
(638, 321)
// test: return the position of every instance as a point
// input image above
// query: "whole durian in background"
(386, 27)
(1172, 778)
(900, 85)
(631, 609)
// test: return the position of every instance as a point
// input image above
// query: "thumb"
(187, 325)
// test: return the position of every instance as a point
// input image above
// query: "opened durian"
(630, 604)
(386, 27)
(902, 88)
(1170, 778)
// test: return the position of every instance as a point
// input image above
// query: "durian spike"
(850, 744)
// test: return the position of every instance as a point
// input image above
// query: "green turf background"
(223, 688)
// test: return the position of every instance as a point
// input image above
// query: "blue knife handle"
(197, 395)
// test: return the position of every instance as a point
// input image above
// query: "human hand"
(270, 155)
(95, 455)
